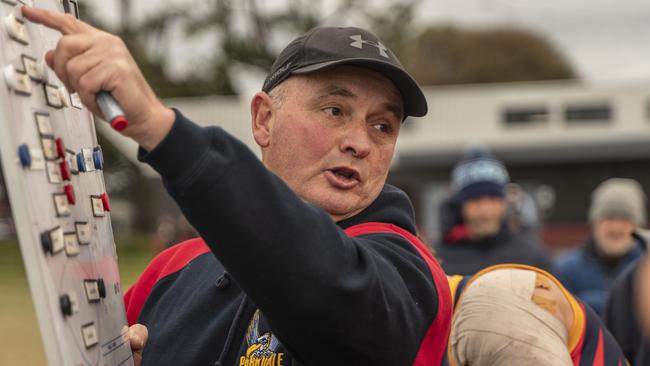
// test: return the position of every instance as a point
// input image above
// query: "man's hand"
(138, 335)
(88, 60)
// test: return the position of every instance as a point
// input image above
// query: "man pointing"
(305, 258)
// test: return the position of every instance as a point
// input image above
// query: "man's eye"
(334, 111)
(382, 127)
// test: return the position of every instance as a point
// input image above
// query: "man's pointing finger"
(64, 23)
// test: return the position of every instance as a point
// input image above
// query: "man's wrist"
(150, 132)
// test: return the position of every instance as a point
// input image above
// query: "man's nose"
(356, 140)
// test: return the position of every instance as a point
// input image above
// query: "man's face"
(331, 136)
(614, 235)
(483, 216)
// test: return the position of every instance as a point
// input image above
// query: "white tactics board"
(53, 171)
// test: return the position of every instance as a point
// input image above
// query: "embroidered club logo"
(262, 349)
(358, 42)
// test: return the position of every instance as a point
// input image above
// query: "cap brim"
(415, 104)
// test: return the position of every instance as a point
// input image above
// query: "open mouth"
(346, 173)
(343, 177)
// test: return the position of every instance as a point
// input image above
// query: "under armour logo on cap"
(328, 47)
(359, 42)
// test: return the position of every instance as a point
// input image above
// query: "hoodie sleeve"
(331, 299)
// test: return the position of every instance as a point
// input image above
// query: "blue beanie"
(479, 174)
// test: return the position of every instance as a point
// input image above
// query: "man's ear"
(262, 118)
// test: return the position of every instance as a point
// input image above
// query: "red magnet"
(105, 202)
(69, 193)
(60, 147)
(65, 171)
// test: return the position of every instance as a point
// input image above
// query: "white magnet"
(89, 334)
(89, 163)
(52, 96)
(38, 161)
(16, 29)
(49, 148)
(56, 238)
(17, 81)
(33, 68)
(75, 100)
(92, 290)
(43, 124)
(61, 204)
(74, 302)
(71, 243)
(97, 205)
(53, 172)
(83, 232)
(72, 161)
(64, 95)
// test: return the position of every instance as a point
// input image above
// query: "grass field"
(20, 340)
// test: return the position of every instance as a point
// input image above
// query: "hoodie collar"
(392, 206)
(640, 245)
(458, 236)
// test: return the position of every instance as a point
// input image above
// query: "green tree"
(449, 55)
(244, 32)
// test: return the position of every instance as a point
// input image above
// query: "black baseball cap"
(324, 47)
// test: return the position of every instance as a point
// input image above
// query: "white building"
(559, 139)
(520, 122)
(526, 122)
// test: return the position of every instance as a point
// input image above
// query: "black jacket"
(621, 318)
(460, 255)
(298, 290)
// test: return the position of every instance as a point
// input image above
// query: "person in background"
(522, 214)
(617, 210)
(627, 312)
(475, 232)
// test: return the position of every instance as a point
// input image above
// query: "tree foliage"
(245, 32)
(448, 55)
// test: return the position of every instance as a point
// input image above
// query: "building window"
(588, 113)
(525, 116)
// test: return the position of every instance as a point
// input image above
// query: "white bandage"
(497, 323)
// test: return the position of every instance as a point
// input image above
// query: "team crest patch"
(262, 349)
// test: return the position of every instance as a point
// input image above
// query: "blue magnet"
(98, 159)
(24, 155)
(81, 163)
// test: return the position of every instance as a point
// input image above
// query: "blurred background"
(559, 91)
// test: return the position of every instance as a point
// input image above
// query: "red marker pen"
(111, 110)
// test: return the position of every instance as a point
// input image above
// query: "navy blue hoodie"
(589, 274)
(274, 281)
